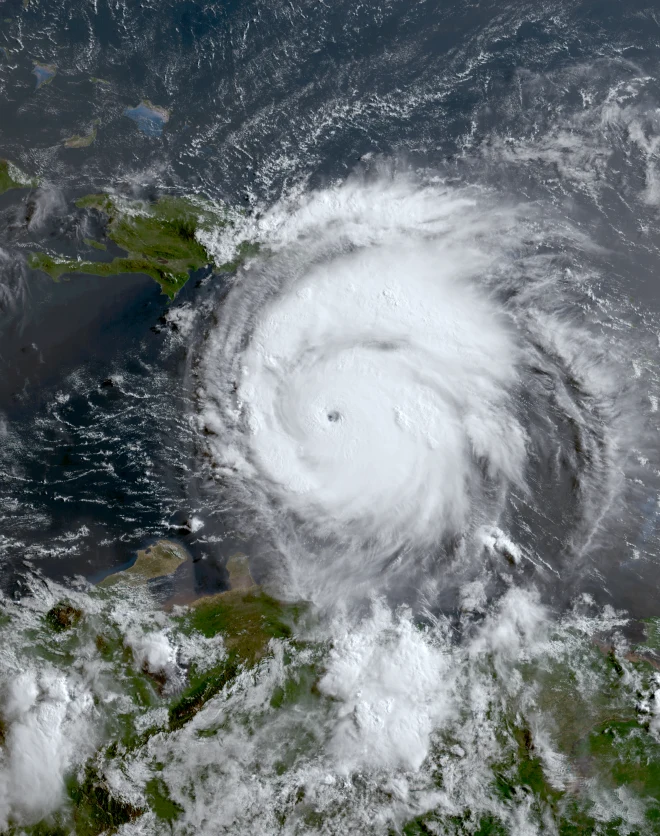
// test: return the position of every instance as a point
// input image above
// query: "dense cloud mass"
(419, 393)
(372, 383)
(48, 718)
(378, 375)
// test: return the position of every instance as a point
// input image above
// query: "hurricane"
(371, 389)
(329, 400)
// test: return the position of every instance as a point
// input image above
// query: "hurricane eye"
(334, 416)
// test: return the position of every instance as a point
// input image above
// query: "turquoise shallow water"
(148, 120)
(43, 74)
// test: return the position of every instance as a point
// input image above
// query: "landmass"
(607, 739)
(11, 177)
(247, 618)
(157, 561)
(160, 240)
(150, 118)
(78, 141)
(45, 73)
(63, 616)
(97, 245)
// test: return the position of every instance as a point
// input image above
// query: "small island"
(81, 141)
(45, 73)
(150, 118)
(160, 240)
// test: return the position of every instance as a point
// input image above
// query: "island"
(45, 73)
(82, 141)
(150, 118)
(161, 239)
(11, 177)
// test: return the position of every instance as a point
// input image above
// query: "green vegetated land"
(247, 618)
(606, 739)
(11, 177)
(159, 239)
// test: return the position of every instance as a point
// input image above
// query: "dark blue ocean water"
(98, 455)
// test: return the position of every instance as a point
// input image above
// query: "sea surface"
(511, 147)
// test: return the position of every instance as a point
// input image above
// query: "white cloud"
(49, 728)
(395, 687)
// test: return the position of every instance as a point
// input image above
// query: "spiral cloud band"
(371, 386)
(362, 377)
